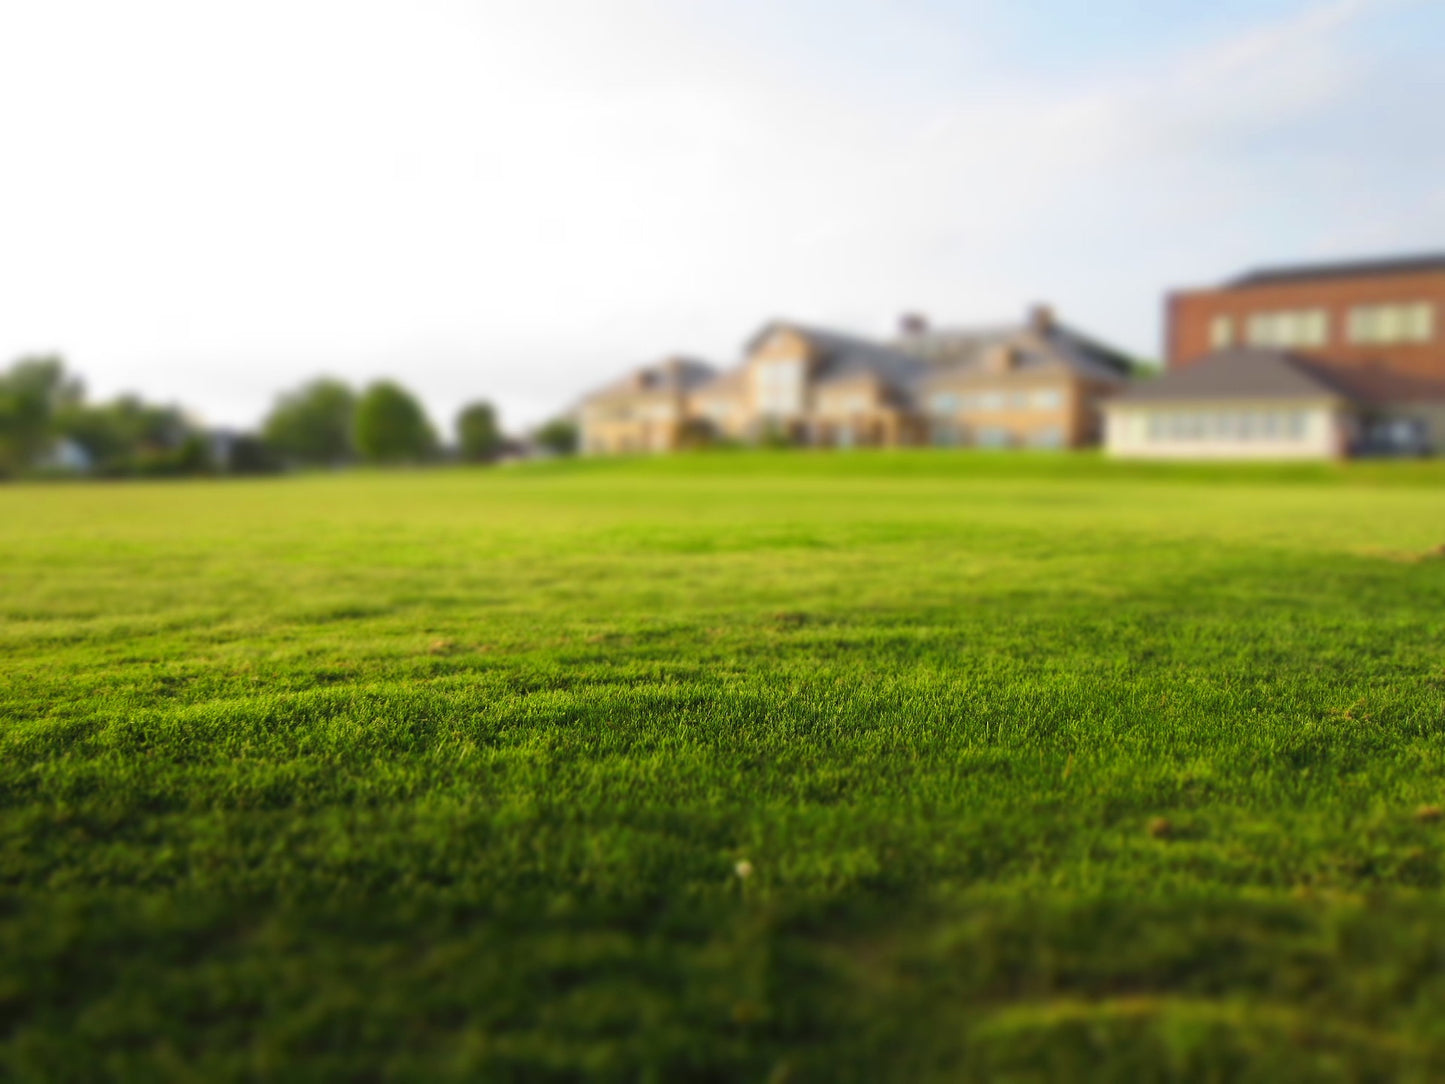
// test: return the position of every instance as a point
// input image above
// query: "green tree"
(559, 436)
(129, 434)
(478, 437)
(32, 393)
(314, 424)
(391, 426)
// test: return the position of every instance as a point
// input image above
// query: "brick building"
(1323, 361)
(1384, 315)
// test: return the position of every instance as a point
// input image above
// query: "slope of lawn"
(733, 767)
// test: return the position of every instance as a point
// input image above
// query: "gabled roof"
(675, 375)
(727, 383)
(959, 352)
(1241, 373)
(845, 357)
(1397, 265)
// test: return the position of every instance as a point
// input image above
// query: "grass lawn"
(1039, 769)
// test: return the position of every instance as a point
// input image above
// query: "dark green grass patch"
(727, 767)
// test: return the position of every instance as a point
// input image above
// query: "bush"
(559, 436)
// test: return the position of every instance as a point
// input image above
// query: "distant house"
(1251, 403)
(646, 411)
(807, 385)
(1036, 384)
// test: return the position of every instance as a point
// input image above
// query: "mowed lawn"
(727, 767)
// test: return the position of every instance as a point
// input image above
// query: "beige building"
(646, 411)
(1252, 403)
(1037, 384)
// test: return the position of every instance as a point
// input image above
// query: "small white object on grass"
(743, 869)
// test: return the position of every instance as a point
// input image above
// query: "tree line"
(47, 425)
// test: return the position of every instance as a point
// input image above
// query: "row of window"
(952, 403)
(951, 436)
(1364, 324)
(1228, 425)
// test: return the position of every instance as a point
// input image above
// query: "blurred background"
(205, 208)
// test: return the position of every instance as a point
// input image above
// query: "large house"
(647, 411)
(1299, 362)
(1035, 384)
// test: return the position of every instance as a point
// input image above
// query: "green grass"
(1046, 769)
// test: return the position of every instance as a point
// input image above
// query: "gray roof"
(961, 351)
(1396, 265)
(676, 374)
(1242, 373)
(845, 357)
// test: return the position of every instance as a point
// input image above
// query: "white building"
(1271, 404)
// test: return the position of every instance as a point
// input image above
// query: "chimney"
(912, 324)
(1041, 319)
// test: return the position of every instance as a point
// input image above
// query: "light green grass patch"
(1043, 767)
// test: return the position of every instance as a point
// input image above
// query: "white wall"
(1225, 430)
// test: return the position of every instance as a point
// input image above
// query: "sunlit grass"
(843, 767)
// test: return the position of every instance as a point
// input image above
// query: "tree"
(313, 425)
(31, 394)
(478, 438)
(129, 435)
(391, 426)
(559, 436)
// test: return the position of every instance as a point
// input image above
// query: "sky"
(516, 200)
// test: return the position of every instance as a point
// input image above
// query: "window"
(1048, 399)
(1221, 332)
(1293, 327)
(946, 403)
(994, 438)
(1226, 425)
(947, 436)
(780, 387)
(1049, 437)
(717, 410)
(991, 400)
(1412, 323)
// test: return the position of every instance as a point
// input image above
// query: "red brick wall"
(1188, 314)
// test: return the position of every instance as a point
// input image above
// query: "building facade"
(1383, 314)
(1261, 403)
(1318, 361)
(1037, 384)
(646, 411)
